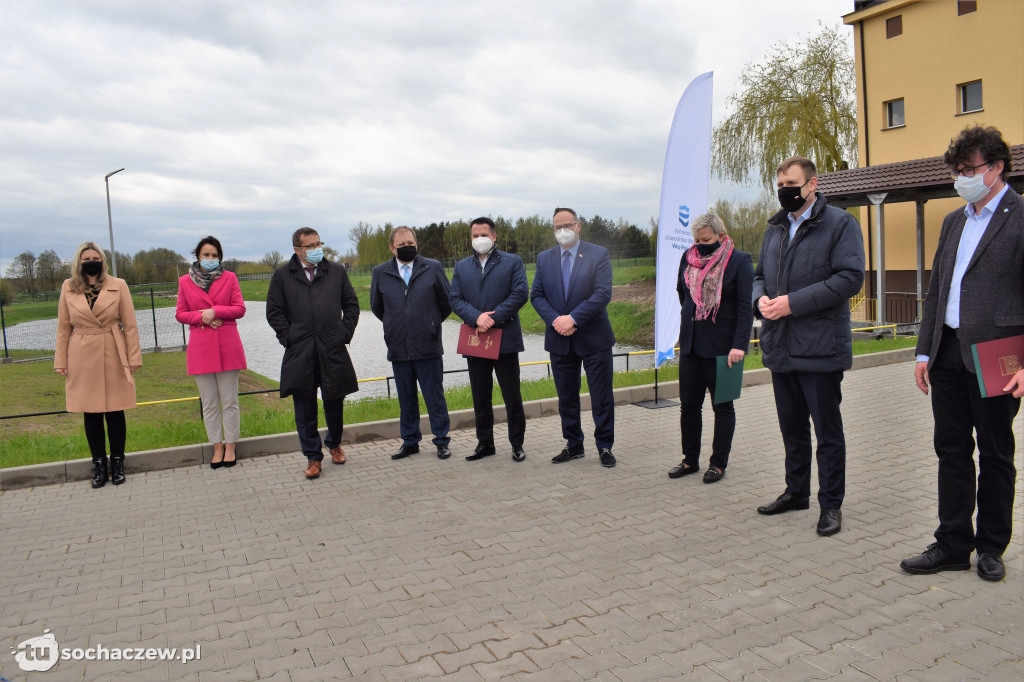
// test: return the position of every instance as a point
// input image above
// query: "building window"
(894, 26)
(966, 7)
(894, 114)
(969, 98)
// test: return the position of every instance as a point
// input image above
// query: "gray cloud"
(247, 119)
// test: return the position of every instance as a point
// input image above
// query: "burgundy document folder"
(482, 345)
(996, 361)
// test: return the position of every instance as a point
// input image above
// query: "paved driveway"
(405, 570)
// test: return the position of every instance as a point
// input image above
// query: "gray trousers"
(219, 393)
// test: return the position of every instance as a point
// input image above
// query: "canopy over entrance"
(917, 180)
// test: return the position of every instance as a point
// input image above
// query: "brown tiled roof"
(918, 179)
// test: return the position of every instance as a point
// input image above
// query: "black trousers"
(565, 370)
(960, 412)
(481, 384)
(800, 398)
(306, 419)
(696, 378)
(97, 438)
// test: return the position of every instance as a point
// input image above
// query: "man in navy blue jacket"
(409, 294)
(571, 291)
(488, 289)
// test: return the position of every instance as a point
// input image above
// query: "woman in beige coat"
(97, 353)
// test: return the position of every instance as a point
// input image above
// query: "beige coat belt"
(118, 341)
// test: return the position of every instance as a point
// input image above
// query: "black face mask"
(406, 254)
(92, 268)
(791, 199)
(706, 250)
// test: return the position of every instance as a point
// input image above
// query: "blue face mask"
(210, 265)
(315, 256)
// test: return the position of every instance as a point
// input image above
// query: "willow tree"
(800, 100)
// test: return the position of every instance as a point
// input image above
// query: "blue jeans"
(428, 373)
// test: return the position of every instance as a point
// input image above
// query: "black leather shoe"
(99, 471)
(784, 503)
(481, 452)
(405, 451)
(830, 521)
(607, 458)
(444, 453)
(684, 469)
(990, 567)
(933, 560)
(518, 454)
(567, 455)
(713, 475)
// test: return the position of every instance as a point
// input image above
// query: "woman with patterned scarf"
(209, 302)
(715, 285)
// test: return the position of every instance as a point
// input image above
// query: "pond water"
(263, 353)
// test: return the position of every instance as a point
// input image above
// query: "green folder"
(728, 380)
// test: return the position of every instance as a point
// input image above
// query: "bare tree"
(272, 259)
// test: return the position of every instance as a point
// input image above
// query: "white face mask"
(565, 236)
(482, 245)
(972, 189)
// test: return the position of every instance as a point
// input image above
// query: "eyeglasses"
(566, 226)
(969, 171)
(310, 247)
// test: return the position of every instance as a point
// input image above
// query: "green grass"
(35, 387)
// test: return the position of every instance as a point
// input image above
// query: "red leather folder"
(996, 361)
(483, 345)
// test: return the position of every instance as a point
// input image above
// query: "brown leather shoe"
(313, 470)
(338, 455)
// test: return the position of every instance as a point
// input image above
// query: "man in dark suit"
(409, 294)
(811, 264)
(976, 294)
(488, 289)
(313, 309)
(571, 290)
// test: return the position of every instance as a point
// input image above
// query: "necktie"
(566, 269)
(405, 273)
(309, 273)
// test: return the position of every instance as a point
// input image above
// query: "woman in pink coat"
(209, 302)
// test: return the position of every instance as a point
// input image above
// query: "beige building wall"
(937, 51)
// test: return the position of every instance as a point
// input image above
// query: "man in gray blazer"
(976, 294)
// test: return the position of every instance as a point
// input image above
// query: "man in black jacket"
(976, 294)
(488, 289)
(313, 309)
(811, 264)
(409, 294)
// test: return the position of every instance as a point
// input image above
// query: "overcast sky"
(247, 119)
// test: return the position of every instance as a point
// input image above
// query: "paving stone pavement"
(497, 570)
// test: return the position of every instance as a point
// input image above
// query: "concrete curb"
(257, 446)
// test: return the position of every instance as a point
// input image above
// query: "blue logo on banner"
(684, 216)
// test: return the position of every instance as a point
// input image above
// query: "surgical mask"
(406, 254)
(482, 245)
(209, 264)
(791, 199)
(92, 268)
(314, 256)
(565, 236)
(706, 250)
(972, 189)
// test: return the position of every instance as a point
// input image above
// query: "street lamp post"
(110, 224)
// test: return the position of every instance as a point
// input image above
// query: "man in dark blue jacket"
(409, 294)
(571, 291)
(488, 289)
(811, 264)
